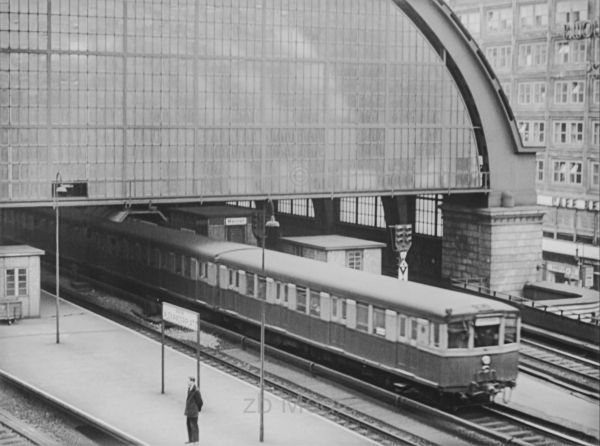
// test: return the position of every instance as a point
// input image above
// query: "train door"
(422, 331)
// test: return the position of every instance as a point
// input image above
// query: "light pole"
(262, 234)
(58, 187)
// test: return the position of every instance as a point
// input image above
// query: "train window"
(262, 287)
(203, 272)
(435, 334)
(338, 309)
(458, 334)
(194, 270)
(510, 330)
(170, 262)
(155, 258)
(281, 292)
(315, 303)
(402, 327)
(301, 299)
(362, 317)
(250, 284)
(486, 331)
(414, 326)
(379, 321)
(114, 247)
(137, 253)
(187, 266)
(278, 291)
(179, 264)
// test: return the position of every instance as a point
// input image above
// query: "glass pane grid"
(280, 97)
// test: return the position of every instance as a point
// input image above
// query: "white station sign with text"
(180, 316)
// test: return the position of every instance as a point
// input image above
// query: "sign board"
(235, 221)
(180, 316)
(587, 275)
(70, 189)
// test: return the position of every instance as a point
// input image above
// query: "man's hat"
(191, 378)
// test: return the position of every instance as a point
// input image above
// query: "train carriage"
(455, 343)
(451, 341)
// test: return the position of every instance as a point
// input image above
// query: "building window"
(533, 54)
(531, 93)
(569, 92)
(499, 20)
(533, 16)
(428, 215)
(499, 57)
(472, 21)
(16, 282)
(366, 211)
(539, 171)
(595, 174)
(571, 11)
(575, 173)
(567, 172)
(596, 133)
(596, 91)
(570, 52)
(533, 132)
(568, 132)
(302, 207)
(354, 259)
(242, 204)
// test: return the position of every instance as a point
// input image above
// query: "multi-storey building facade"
(546, 54)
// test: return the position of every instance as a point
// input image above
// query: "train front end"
(487, 355)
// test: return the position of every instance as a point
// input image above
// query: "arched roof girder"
(511, 166)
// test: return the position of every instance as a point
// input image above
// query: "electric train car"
(457, 344)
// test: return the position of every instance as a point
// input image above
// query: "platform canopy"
(214, 100)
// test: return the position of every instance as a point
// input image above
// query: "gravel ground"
(41, 417)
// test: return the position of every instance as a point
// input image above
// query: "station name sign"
(180, 316)
(583, 29)
(235, 221)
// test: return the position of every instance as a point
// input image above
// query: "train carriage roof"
(382, 291)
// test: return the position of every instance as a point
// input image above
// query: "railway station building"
(547, 57)
(349, 116)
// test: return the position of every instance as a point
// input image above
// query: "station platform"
(113, 375)
(545, 400)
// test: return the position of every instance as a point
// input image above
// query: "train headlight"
(486, 360)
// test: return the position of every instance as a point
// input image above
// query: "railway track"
(572, 372)
(14, 432)
(523, 429)
(490, 423)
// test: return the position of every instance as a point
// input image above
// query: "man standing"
(193, 405)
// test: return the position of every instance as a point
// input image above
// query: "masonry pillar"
(499, 247)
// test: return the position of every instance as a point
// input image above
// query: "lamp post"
(58, 187)
(260, 232)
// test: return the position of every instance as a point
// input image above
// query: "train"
(458, 345)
